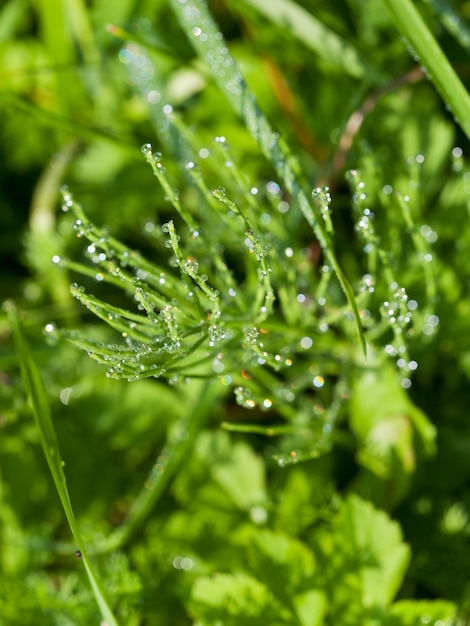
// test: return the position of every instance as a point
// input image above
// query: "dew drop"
(244, 397)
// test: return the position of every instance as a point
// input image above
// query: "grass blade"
(451, 21)
(428, 52)
(325, 43)
(41, 410)
(209, 43)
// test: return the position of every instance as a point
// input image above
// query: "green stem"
(165, 467)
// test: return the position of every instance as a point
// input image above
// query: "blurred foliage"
(266, 520)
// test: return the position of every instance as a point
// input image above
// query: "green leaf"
(222, 470)
(242, 476)
(411, 612)
(311, 607)
(233, 600)
(288, 568)
(367, 559)
(385, 420)
(283, 563)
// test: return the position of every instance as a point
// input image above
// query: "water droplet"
(51, 333)
(273, 188)
(251, 335)
(219, 193)
(153, 97)
(368, 283)
(244, 398)
(190, 267)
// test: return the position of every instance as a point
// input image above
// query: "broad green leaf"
(283, 563)
(311, 607)
(224, 474)
(385, 421)
(288, 568)
(233, 600)
(305, 498)
(10, 16)
(242, 476)
(411, 612)
(367, 559)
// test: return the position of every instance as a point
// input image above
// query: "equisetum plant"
(229, 296)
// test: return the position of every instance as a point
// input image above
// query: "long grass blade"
(425, 47)
(451, 21)
(312, 33)
(42, 415)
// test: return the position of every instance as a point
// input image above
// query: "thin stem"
(165, 467)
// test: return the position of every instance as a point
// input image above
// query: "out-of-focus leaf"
(233, 600)
(385, 420)
(409, 613)
(367, 559)
(224, 472)
(288, 568)
(242, 476)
